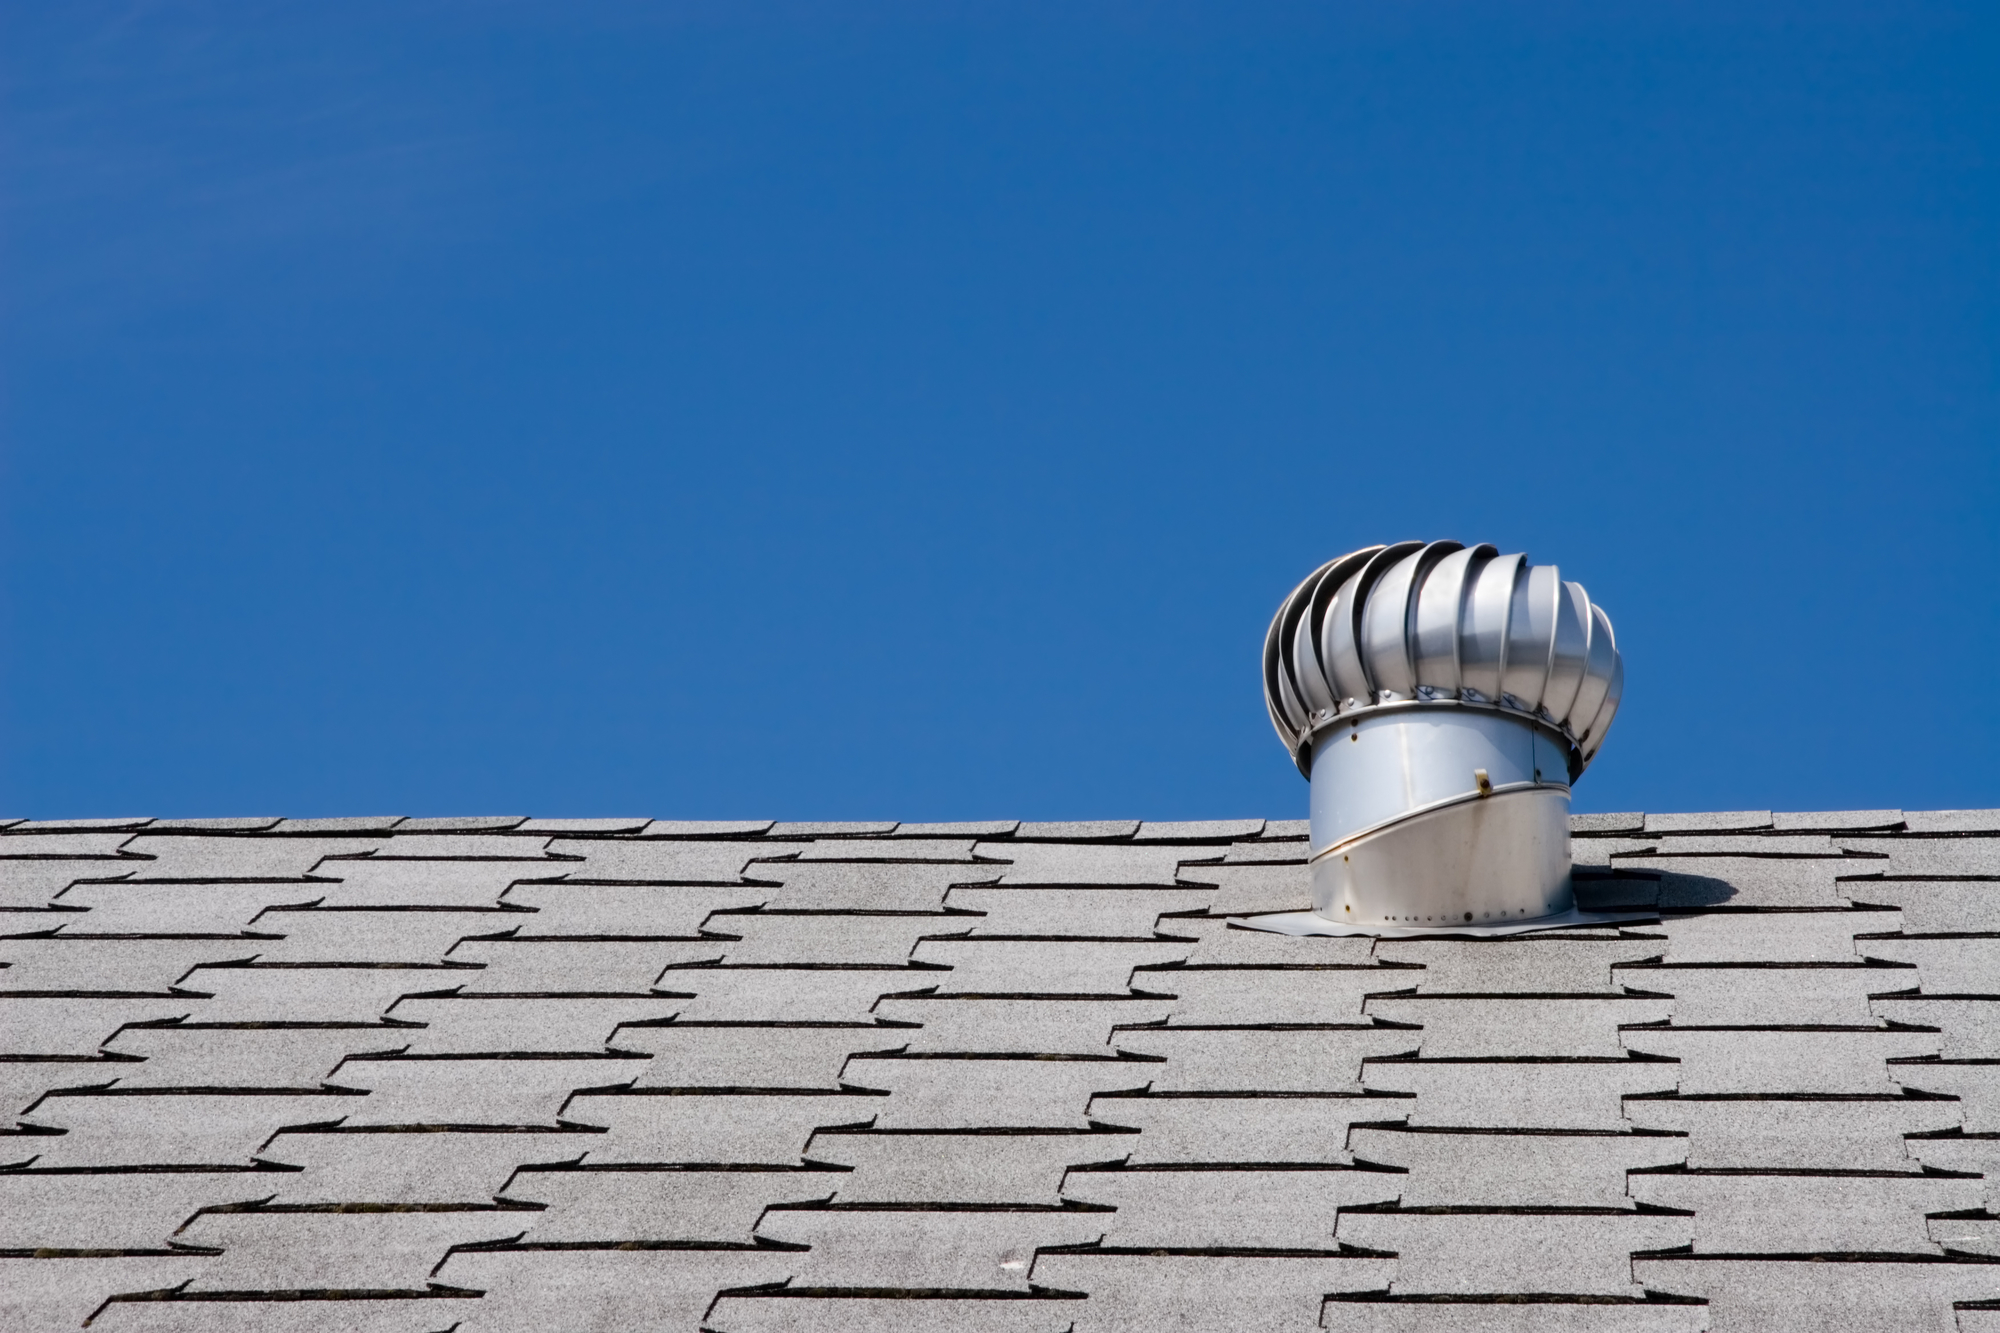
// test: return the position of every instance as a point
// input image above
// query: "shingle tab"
(1465, 1253)
(1519, 1169)
(532, 1291)
(1043, 967)
(713, 1128)
(426, 1166)
(602, 827)
(1800, 1133)
(983, 1249)
(974, 828)
(1303, 1128)
(846, 886)
(1210, 1208)
(1085, 830)
(960, 1167)
(1255, 1059)
(1892, 1293)
(1091, 863)
(1142, 1293)
(1036, 1025)
(1197, 830)
(685, 1204)
(835, 829)
(173, 1128)
(1805, 1214)
(1084, 912)
(1564, 1093)
(991, 1092)
(1717, 821)
(706, 828)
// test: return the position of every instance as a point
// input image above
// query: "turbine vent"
(1440, 696)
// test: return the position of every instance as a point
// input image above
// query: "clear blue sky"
(732, 410)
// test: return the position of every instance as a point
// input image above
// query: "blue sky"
(916, 411)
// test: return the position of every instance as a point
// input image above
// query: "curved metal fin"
(1435, 617)
(1572, 647)
(1315, 690)
(1280, 695)
(1600, 655)
(1340, 637)
(1482, 643)
(1531, 637)
(1607, 711)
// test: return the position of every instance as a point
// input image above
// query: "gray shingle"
(176, 909)
(1952, 821)
(1075, 912)
(1733, 1060)
(1976, 1083)
(216, 859)
(1820, 1133)
(1494, 1025)
(1043, 967)
(311, 992)
(18, 843)
(1224, 944)
(491, 1024)
(61, 1291)
(1945, 965)
(1971, 1025)
(368, 935)
(1886, 1294)
(347, 1166)
(1514, 1315)
(1144, 1293)
(373, 1251)
(641, 1204)
(1716, 821)
(917, 1166)
(1808, 936)
(1522, 1169)
(1063, 863)
(1978, 1153)
(783, 994)
(586, 826)
(1533, 963)
(971, 828)
(705, 828)
(188, 1056)
(404, 845)
(1966, 1235)
(1784, 821)
(1746, 881)
(1602, 853)
(834, 829)
(1307, 1059)
(428, 884)
(413, 1090)
(69, 1025)
(924, 1249)
(82, 825)
(696, 1055)
(1230, 1209)
(991, 1092)
(1078, 830)
(1919, 857)
(340, 824)
(24, 1081)
(1252, 995)
(69, 963)
(174, 1128)
(27, 886)
(889, 850)
(417, 1313)
(713, 1127)
(113, 1210)
(534, 1291)
(538, 965)
(1305, 1128)
(231, 824)
(790, 938)
(794, 1312)
(1933, 907)
(1630, 822)
(831, 886)
(455, 824)
(1708, 994)
(1287, 828)
(1586, 1253)
(648, 911)
(1518, 1094)
(1032, 1026)
(1197, 830)
(1266, 852)
(1243, 889)
(1804, 1214)
(626, 860)
(1745, 844)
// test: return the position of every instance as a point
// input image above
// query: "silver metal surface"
(1471, 860)
(1440, 623)
(1442, 699)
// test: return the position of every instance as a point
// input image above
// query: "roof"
(508, 1074)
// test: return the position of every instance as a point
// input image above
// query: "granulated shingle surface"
(401, 1076)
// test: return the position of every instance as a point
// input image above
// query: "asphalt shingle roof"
(512, 1074)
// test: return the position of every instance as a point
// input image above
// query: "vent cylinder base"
(1436, 815)
(1479, 861)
